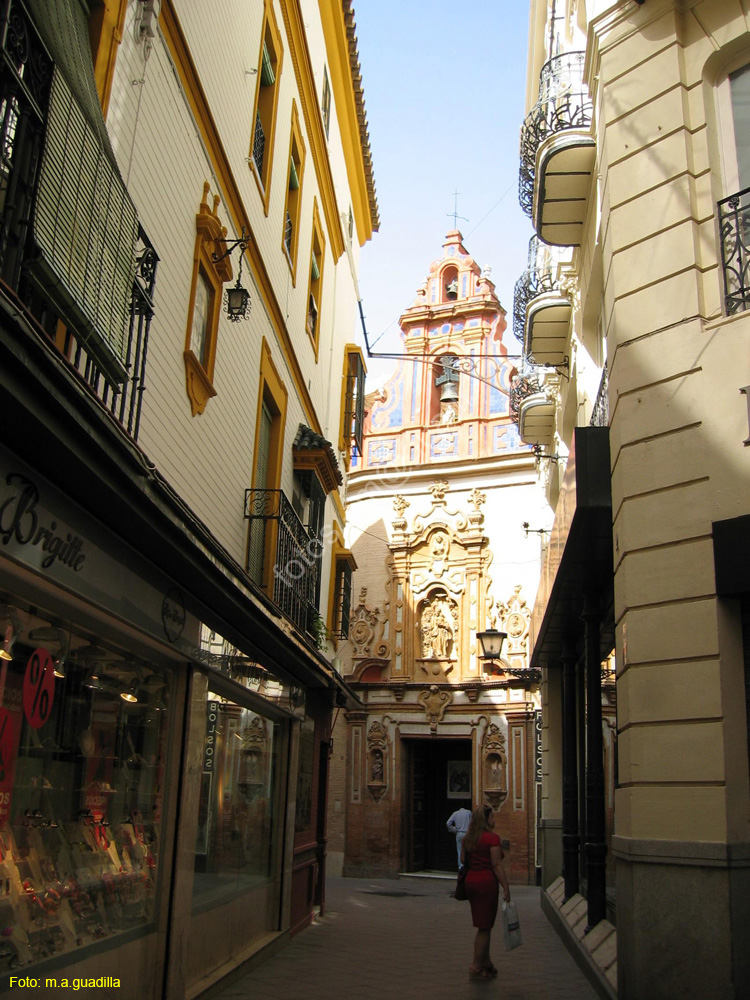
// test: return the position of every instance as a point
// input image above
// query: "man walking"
(459, 824)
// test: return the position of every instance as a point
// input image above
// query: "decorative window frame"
(725, 123)
(266, 104)
(342, 559)
(293, 196)
(106, 25)
(209, 233)
(315, 285)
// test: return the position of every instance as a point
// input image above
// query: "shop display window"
(237, 820)
(83, 728)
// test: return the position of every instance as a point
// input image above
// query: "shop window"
(290, 238)
(204, 305)
(237, 815)
(353, 402)
(266, 103)
(83, 736)
(316, 282)
(303, 816)
(325, 103)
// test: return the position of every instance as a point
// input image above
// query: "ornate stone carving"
(435, 700)
(514, 617)
(438, 491)
(439, 627)
(439, 549)
(378, 747)
(494, 767)
(363, 623)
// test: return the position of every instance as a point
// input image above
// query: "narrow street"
(394, 940)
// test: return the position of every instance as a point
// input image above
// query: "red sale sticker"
(38, 688)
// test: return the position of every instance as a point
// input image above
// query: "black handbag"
(460, 890)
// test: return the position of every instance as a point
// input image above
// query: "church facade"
(444, 514)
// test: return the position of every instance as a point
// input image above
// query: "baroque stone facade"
(441, 554)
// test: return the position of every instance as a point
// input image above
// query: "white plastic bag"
(511, 926)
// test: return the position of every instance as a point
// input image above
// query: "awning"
(732, 556)
(579, 554)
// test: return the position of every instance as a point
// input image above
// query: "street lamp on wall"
(491, 646)
(237, 298)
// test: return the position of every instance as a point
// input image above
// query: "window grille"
(85, 226)
(259, 144)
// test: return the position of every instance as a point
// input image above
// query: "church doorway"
(438, 781)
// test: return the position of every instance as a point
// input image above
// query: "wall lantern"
(491, 643)
(237, 298)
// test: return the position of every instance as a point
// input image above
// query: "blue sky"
(444, 88)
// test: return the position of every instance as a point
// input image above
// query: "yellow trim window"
(266, 104)
(315, 286)
(204, 306)
(290, 239)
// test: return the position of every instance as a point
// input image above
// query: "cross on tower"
(454, 213)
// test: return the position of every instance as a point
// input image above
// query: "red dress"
(481, 882)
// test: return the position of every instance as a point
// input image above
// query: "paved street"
(394, 940)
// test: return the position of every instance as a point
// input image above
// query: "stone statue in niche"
(439, 626)
(377, 750)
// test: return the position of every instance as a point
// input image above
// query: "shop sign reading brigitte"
(20, 522)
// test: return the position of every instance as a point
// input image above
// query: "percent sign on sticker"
(38, 688)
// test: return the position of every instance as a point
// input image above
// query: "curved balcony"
(533, 405)
(558, 152)
(541, 310)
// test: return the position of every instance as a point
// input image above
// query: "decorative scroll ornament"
(363, 623)
(435, 701)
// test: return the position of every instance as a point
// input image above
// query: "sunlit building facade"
(634, 172)
(436, 504)
(184, 190)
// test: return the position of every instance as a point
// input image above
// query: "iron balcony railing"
(521, 387)
(26, 72)
(563, 103)
(286, 555)
(734, 229)
(600, 413)
(539, 278)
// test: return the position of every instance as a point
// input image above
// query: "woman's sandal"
(480, 974)
(491, 969)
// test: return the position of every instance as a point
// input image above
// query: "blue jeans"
(459, 841)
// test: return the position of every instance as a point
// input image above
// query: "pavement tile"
(383, 939)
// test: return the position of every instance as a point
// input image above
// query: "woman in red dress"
(482, 852)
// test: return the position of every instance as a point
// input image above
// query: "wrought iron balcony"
(285, 557)
(600, 412)
(541, 310)
(734, 227)
(533, 404)
(73, 257)
(557, 152)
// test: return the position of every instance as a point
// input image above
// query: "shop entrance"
(438, 781)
